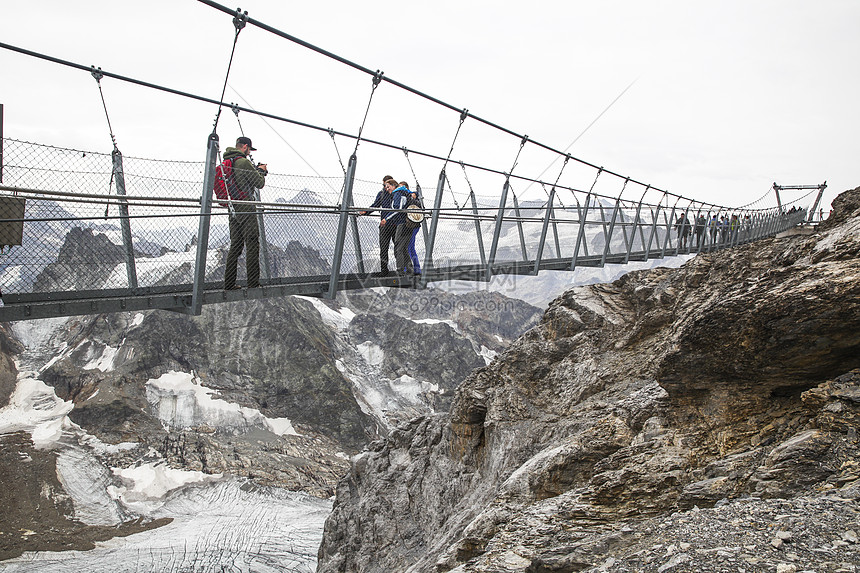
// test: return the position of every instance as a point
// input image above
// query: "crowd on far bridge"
(713, 231)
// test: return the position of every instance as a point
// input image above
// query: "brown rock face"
(733, 377)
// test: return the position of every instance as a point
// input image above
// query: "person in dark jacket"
(386, 232)
(244, 231)
(683, 227)
(700, 229)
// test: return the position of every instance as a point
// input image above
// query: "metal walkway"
(86, 250)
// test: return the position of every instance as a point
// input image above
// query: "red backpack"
(225, 183)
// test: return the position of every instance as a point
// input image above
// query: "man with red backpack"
(244, 231)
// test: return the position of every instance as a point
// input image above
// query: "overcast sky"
(726, 98)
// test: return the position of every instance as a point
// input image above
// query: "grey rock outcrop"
(732, 377)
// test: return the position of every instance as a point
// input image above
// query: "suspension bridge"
(87, 232)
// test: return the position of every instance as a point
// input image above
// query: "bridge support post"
(430, 242)
(668, 237)
(608, 234)
(776, 189)
(633, 233)
(356, 240)
(520, 229)
(811, 213)
(264, 246)
(478, 232)
(124, 221)
(655, 217)
(497, 232)
(203, 228)
(345, 204)
(544, 230)
(580, 236)
(555, 233)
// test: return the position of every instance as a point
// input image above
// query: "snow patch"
(450, 323)
(180, 401)
(372, 353)
(487, 354)
(137, 321)
(408, 387)
(150, 482)
(281, 426)
(34, 407)
(104, 362)
(36, 333)
(337, 319)
(151, 271)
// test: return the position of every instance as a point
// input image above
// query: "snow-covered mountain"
(239, 420)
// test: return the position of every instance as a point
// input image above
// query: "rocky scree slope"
(595, 441)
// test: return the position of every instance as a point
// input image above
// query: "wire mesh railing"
(81, 224)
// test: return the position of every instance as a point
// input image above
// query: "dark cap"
(245, 141)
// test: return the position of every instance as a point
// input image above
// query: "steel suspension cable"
(414, 176)
(366, 70)
(757, 200)
(463, 115)
(336, 150)
(98, 75)
(280, 118)
(377, 77)
(558, 178)
(520, 150)
(469, 183)
(453, 197)
(246, 109)
(239, 21)
(235, 109)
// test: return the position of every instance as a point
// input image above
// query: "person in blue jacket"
(412, 227)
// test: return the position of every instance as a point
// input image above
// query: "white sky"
(728, 98)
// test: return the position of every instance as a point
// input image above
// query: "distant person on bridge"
(386, 232)
(683, 227)
(714, 226)
(700, 229)
(734, 224)
(244, 231)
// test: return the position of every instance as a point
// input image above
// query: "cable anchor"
(377, 77)
(97, 73)
(240, 19)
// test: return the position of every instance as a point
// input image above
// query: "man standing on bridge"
(386, 233)
(244, 230)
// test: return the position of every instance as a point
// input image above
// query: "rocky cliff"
(698, 419)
